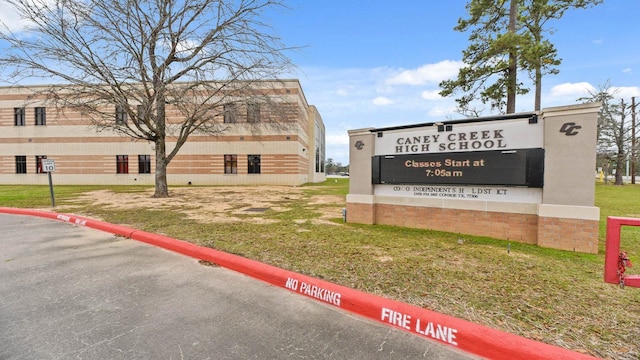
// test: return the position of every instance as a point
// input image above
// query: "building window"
(39, 159)
(253, 164)
(230, 114)
(122, 164)
(253, 113)
(41, 116)
(142, 114)
(21, 164)
(144, 164)
(121, 115)
(18, 117)
(231, 164)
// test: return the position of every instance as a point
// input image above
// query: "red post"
(612, 251)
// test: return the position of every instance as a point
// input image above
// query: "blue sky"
(378, 63)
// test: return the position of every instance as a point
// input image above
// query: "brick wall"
(360, 213)
(569, 234)
(557, 233)
(517, 227)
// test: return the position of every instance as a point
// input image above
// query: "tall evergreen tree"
(538, 55)
(506, 36)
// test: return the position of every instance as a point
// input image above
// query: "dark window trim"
(253, 113)
(230, 114)
(19, 116)
(122, 164)
(231, 164)
(21, 164)
(40, 116)
(144, 164)
(253, 164)
(121, 115)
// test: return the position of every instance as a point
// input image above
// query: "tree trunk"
(538, 87)
(619, 168)
(162, 190)
(513, 66)
(620, 143)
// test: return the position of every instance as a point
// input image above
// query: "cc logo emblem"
(570, 128)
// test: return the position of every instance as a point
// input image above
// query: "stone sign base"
(559, 227)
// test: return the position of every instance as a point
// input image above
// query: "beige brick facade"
(289, 144)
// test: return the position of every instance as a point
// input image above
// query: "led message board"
(521, 167)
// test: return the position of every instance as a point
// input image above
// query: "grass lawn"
(557, 297)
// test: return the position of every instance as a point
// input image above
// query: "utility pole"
(633, 140)
(513, 61)
(621, 155)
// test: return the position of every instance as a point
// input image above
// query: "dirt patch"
(219, 204)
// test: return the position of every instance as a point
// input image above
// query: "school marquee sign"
(494, 154)
(525, 177)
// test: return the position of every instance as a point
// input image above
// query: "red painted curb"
(467, 336)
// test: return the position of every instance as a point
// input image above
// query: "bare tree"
(126, 63)
(614, 130)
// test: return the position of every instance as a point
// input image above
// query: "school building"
(253, 149)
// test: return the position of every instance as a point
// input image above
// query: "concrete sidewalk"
(70, 292)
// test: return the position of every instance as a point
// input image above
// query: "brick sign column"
(567, 217)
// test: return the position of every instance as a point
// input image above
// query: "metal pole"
(53, 200)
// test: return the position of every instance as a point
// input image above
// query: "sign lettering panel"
(523, 167)
(469, 137)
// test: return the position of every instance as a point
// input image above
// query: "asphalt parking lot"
(71, 292)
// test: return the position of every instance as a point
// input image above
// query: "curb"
(464, 335)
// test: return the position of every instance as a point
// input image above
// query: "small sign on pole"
(49, 166)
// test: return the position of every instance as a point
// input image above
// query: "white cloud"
(185, 46)
(427, 74)
(627, 70)
(625, 92)
(577, 90)
(342, 92)
(11, 18)
(431, 95)
(441, 111)
(337, 139)
(382, 101)
(358, 98)
(598, 41)
(574, 90)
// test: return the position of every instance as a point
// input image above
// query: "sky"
(378, 63)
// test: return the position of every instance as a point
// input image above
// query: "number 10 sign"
(48, 165)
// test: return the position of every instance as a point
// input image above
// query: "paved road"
(69, 292)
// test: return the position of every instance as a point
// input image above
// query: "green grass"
(39, 196)
(558, 297)
(622, 201)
